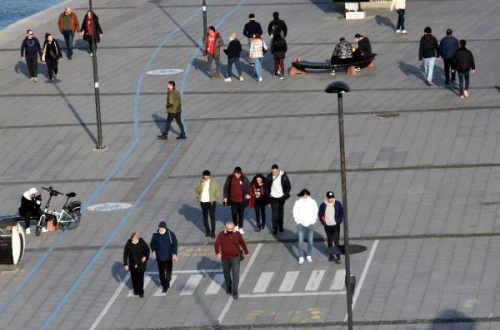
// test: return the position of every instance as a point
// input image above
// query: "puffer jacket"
(428, 47)
(257, 48)
(463, 61)
(343, 50)
(279, 48)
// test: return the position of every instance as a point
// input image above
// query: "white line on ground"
(159, 293)
(363, 275)
(191, 285)
(338, 280)
(289, 281)
(216, 284)
(147, 279)
(196, 271)
(263, 282)
(242, 278)
(315, 280)
(292, 294)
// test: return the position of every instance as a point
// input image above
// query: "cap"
(330, 195)
(162, 224)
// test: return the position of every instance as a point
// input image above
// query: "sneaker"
(309, 259)
(429, 83)
(241, 231)
(162, 137)
(28, 231)
(211, 77)
(466, 93)
(35, 79)
(252, 64)
(282, 77)
(236, 228)
(91, 54)
(31, 79)
(260, 79)
(227, 79)
(301, 260)
(398, 31)
(332, 73)
(462, 96)
(241, 78)
(44, 230)
(358, 69)
(404, 32)
(56, 76)
(275, 76)
(218, 77)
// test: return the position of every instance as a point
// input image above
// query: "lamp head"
(337, 87)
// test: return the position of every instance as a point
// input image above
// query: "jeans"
(211, 58)
(461, 77)
(278, 210)
(178, 120)
(258, 67)
(429, 67)
(238, 213)
(279, 63)
(137, 275)
(208, 209)
(332, 236)
(401, 19)
(165, 271)
(249, 42)
(231, 268)
(51, 66)
(309, 230)
(236, 62)
(68, 39)
(260, 210)
(447, 67)
(32, 63)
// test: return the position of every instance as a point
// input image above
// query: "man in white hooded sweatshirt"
(305, 213)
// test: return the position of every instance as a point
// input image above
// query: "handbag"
(242, 255)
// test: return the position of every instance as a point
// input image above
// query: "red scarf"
(89, 27)
(211, 43)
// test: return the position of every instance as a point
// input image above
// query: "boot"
(182, 136)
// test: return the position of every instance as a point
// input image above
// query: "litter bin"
(12, 240)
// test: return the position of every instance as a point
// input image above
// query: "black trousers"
(208, 209)
(333, 236)
(137, 275)
(278, 210)
(32, 214)
(90, 45)
(165, 270)
(260, 212)
(51, 66)
(238, 213)
(447, 68)
(32, 63)
(178, 120)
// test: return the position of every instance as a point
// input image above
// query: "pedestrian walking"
(258, 200)
(305, 213)
(208, 192)
(51, 53)
(213, 42)
(448, 47)
(463, 63)
(257, 50)
(68, 25)
(331, 215)
(277, 26)
(30, 208)
(164, 246)
(174, 109)
(251, 29)
(91, 26)
(278, 189)
(31, 50)
(278, 49)
(428, 52)
(135, 259)
(400, 6)
(342, 53)
(236, 194)
(233, 52)
(228, 248)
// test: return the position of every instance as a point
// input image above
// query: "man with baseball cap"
(331, 216)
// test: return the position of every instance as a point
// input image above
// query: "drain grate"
(387, 114)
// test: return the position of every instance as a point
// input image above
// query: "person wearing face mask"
(135, 258)
(233, 52)
(30, 208)
(51, 53)
(331, 215)
(305, 213)
(31, 50)
(164, 246)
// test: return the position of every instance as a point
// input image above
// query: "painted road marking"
(191, 284)
(106, 207)
(339, 280)
(159, 293)
(195, 271)
(315, 280)
(215, 284)
(147, 279)
(292, 294)
(289, 281)
(263, 282)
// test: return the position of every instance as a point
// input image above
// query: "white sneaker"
(358, 69)
(301, 260)
(44, 230)
(332, 73)
(241, 231)
(260, 79)
(236, 228)
(404, 32)
(35, 79)
(241, 78)
(56, 76)
(227, 79)
(309, 259)
(28, 231)
(466, 93)
(31, 79)
(398, 31)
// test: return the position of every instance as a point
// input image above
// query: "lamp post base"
(100, 148)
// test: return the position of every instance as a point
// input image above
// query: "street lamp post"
(340, 88)
(205, 29)
(99, 145)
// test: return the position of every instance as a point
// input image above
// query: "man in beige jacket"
(208, 191)
(400, 6)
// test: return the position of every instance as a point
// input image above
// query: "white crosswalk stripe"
(289, 281)
(147, 279)
(215, 284)
(263, 282)
(191, 284)
(338, 281)
(159, 293)
(315, 280)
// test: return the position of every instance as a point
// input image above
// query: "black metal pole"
(99, 145)
(205, 28)
(346, 223)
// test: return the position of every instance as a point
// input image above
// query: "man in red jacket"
(227, 247)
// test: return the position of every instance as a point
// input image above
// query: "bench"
(300, 67)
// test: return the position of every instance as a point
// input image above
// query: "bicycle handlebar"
(52, 191)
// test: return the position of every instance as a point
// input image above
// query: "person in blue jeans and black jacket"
(164, 245)
(331, 215)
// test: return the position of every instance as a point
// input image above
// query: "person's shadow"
(193, 214)
(381, 20)
(453, 317)
(161, 123)
(22, 68)
(411, 70)
(119, 274)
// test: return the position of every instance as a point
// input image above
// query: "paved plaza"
(423, 170)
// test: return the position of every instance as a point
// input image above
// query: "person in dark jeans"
(236, 194)
(228, 246)
(400, 6)
(331, 215)
(31, 50)
(51, 53)
(278, 189)
(258, 200)
(174, 110)
(463, 63)
(233, 52)
(135, 258)
(164, 245)
(208, 192)
(250, 30)
(68, 25)
(448, 47)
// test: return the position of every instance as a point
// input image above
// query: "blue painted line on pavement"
(103, 184)
(124, 220)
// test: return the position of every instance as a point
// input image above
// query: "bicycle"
(69, 217)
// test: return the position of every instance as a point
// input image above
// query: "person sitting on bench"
(364, 51)
(30, 207)
(342, 53)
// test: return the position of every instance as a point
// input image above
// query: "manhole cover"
(163, 72)
(353, 249)
(105, 207)
(387, 114)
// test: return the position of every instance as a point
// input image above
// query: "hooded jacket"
(31, 47)
(218, 44)
(463, 60)
(164, 245)
(305, 211)
(428, 47)
(133, 254)
(339, 212)
(30, 205)
(343, 50)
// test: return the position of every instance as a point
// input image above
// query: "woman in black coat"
(135, 258)
(89, 29)
(278, 49)
(51, 53)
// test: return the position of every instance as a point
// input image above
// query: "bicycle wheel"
(39, 225)
(75, 221)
